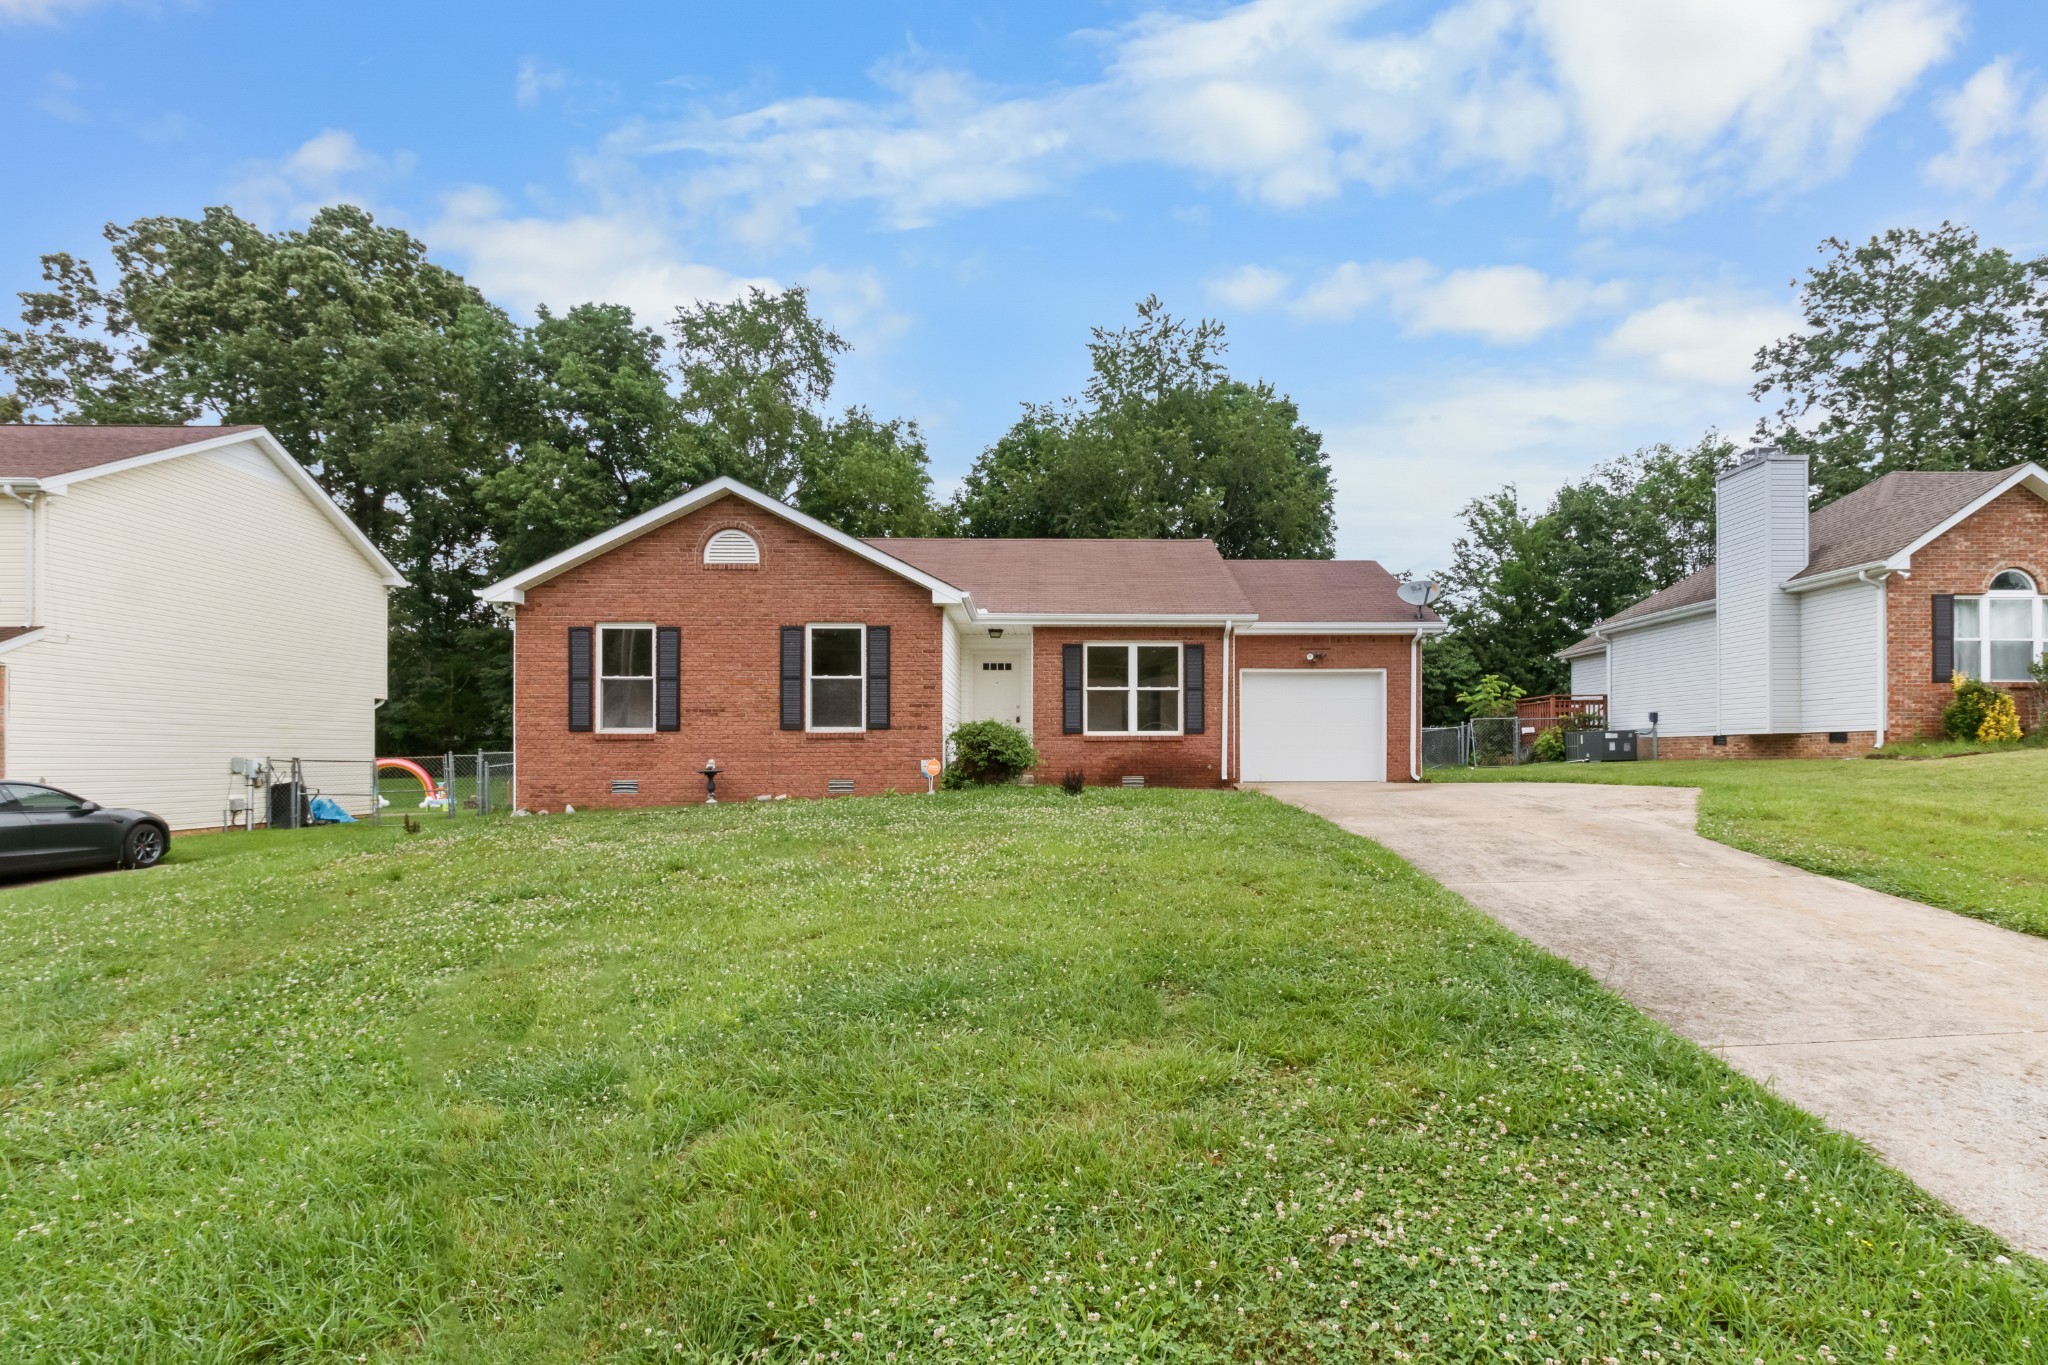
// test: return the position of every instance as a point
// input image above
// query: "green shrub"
(1073, 782)
(1974, 700)
(989, 751)
(1549, 746)
(1492, 695)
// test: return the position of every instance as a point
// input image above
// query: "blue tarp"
(327, 811)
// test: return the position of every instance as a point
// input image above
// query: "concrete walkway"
(1922, 1032)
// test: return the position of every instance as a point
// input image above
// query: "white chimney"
(1759, 542)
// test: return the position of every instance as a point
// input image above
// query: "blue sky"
(1478, 242)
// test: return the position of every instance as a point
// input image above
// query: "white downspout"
(28, 549)
(1884, 650)
(1415, 707)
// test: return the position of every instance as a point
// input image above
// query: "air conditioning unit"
(1600, 746)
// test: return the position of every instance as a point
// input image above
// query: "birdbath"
(709, 772)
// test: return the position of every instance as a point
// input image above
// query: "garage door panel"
(1321, 725)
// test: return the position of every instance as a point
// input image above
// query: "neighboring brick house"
(1835, 631)
(725, 625)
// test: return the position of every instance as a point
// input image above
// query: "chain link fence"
(294, 793)
(1500, 742)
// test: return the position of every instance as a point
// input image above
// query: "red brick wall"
(730, 676)
(1814, 745)
(1162, 760)
(2010, 533)
(1391, 652)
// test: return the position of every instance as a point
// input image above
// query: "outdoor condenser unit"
(1600, 746)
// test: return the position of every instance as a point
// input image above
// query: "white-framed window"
(732, 547)
(1999, 634)
(625, 677)
(1130, 689)
(836, 677)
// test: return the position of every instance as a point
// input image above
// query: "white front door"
(995, 687)
(1312, 725)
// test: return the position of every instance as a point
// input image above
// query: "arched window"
(1999, 635)
(732, 547)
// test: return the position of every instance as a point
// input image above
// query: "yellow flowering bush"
(2001, 723)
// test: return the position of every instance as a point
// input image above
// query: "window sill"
(835, 734)
(625, 736)
(1137, 734)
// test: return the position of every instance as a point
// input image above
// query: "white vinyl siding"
(197, 609)
(1841, 674)
(1589, 674)
(13, 562)
(949, 677)
(1667, 668)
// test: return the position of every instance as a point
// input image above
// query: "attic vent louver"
(732, 547)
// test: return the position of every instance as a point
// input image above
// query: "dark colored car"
(46, 830)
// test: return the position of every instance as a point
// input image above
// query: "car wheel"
(145, 846)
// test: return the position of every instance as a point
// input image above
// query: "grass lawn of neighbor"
(1968, 834)
(1003, 1075)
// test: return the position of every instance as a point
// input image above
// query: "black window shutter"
(792, 677)
(668, 682)
(878, 677)
(1944, 637)
(1070, 689)
(579, 677)
(1192, 686)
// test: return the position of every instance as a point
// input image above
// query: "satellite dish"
(1420, 592)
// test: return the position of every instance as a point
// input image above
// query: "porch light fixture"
(1316, 656)
(995, 632)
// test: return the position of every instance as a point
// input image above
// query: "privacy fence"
(293, 793)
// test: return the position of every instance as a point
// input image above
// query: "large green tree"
(754, 376)
(868, 477)
(1525, 583)
(1165, 444)
(1921, 350)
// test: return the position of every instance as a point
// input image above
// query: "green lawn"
(1967, 834)
(1149, 1076)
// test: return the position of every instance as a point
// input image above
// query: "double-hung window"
(2001, 633)
(625, 678)
(1132, 689)
(836, 677)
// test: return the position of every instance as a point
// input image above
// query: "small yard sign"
(931, 768)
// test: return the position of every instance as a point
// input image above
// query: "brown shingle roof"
(1084, 577)
(1871, 524)
(1886, 515)
(39, 450)
(1322, 590)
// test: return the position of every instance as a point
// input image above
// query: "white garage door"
(1313, 725)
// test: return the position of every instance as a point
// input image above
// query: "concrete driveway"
(1922, 1032)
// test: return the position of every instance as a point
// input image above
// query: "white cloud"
(1249, 287)
(535, 81)
(41, 11)
(1630, 110)
(1992, 130)
(523, 262)
(330, 167)
(1503, 304)
(1702, 339)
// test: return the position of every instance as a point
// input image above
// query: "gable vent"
(839, 786)
(625, 786)
(732, 547)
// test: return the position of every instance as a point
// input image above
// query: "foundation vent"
(839, 786)
(1134, 781)
(625, 786)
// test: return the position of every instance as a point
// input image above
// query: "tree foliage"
(1922, 350)
(1165, 444)
(1524, 584)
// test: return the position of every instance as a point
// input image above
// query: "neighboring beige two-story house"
(172, 598)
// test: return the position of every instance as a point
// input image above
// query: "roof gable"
(1324, 590)
(512, 590)
(1899, 512)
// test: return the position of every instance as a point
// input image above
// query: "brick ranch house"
(726, 625)
(1831, 632)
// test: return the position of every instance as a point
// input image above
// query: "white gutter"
(28, 546)
(1884, 650)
